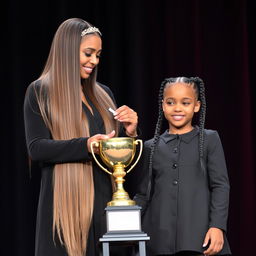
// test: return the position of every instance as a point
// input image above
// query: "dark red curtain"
(143, 43)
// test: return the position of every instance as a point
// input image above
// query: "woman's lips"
(88, 70)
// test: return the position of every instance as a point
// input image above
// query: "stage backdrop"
(143, 43)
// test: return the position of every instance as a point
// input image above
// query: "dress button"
(174, 166)
(175, 150)
(175, 182)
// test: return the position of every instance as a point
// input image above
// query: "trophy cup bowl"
(118, 153)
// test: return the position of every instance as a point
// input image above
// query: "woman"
(65, 110)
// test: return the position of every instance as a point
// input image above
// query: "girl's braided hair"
(199, 88)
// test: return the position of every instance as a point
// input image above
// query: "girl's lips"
(177, 117)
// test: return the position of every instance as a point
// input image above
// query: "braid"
(201, 95)
(198, 85)
(157, 133)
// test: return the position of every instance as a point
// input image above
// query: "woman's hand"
(214, 236)
(129, 118)
(97, 138)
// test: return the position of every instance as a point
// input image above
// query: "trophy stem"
(120, 197)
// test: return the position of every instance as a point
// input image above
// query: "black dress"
(47, 152)
(185, 201)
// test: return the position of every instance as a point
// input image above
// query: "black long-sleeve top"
(42, 148)
(185, 201)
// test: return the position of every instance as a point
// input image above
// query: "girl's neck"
(173, 130)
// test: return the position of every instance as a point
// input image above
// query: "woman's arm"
(40, 145)
(127, 117)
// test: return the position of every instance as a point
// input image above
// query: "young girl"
(184, 193)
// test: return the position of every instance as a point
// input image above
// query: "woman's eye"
(98, 56)
(87, 54)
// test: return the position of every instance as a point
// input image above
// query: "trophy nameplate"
(123, 219)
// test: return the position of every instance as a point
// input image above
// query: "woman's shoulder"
(34, 87)
(32, 93)
(105, 87)
(107, 90)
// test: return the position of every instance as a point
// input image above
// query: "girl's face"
(179, 105)
(90, 50)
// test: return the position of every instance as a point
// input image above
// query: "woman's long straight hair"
(59, 100)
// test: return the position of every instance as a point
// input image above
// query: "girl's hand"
(98, 138)
(214, 237)
(129, 118)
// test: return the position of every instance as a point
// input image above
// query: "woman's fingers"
(125, 114)
(96, 139)
(129, 118)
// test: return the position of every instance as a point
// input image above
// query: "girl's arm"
(40, 145)
(218, 182)
(219, 189)
(214, 238)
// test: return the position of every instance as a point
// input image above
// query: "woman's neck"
(84, 100)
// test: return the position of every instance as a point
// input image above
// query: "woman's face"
(90, 50)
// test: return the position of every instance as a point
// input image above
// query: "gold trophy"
(122, 214)
(118, 154)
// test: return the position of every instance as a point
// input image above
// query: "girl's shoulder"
(148, 143)
(211, 138)
(147, 147)
(211, 134)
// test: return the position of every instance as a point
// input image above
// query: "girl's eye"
(186, 103)
(170, 103)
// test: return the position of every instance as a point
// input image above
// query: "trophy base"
(124, 227)
(131, 239)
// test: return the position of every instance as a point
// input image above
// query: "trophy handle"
(95, 158)
(141, 145)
